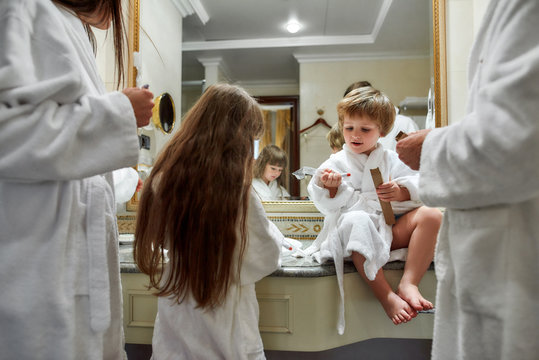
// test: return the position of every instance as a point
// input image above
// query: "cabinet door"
(140, 308)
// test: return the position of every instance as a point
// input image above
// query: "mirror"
(163, 113)
(404, 57)
(437, 70)
(438, 75)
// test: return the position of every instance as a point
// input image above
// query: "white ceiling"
(249, 39)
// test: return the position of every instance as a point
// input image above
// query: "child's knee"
(353, 218)
(432, 216)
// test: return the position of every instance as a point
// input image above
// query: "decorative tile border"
(126, 224)
(300, 227)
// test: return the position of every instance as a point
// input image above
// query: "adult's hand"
(142, 102)
(409, 148)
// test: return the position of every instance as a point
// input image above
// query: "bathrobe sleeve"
(263, 249)
(403, 175)
(492, 155)
(53, 124)
(344, 197)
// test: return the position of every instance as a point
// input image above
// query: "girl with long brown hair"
(269, 174)
(202, 235)
(61, 136)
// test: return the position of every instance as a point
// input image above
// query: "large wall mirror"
(204, 46)
(408, 35)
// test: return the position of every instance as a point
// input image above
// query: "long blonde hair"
(196, 197)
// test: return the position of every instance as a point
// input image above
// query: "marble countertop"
(290, 265)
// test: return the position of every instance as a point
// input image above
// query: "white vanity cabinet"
(140, 308)
(299, 303)
(298, 309)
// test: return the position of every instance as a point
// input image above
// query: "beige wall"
(161, 56)
(463, 20)
(160, 48)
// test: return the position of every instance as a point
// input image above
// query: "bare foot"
(397, 309)
(410, 293)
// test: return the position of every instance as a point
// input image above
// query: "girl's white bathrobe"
(60, 294)
(183, 331)
(353, 218)
(485, 171)
(268, 192)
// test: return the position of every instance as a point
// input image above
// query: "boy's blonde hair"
(367, 101)
(335, 138)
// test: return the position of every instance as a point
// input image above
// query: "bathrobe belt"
(99, 283)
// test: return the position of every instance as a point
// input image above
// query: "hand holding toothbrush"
(332, 180)
(294, 246)
(142, 102)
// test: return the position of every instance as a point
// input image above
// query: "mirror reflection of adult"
(485, 171)
(61, 135)
(402, 123)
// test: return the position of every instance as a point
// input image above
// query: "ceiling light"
(293, 27)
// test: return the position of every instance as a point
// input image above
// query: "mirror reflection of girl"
(198, 204)
(268, 174)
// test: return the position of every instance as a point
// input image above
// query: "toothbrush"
(290, 247)
(344, 174)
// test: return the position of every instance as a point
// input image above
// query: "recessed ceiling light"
(293, 26)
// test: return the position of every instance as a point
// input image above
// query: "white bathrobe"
(485, 171)
(269, 192)
(353, 218)
(60, 294)
(183, 331)
(402, 123)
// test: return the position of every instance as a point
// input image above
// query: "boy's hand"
(391, 191)
(330, 178)
(331, 181)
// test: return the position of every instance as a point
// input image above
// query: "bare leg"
(397, 309)
(421, 227)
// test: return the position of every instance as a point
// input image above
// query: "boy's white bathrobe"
(485, 171)
(269, 192)
(353, 218)
(183, 331)
(60, 294)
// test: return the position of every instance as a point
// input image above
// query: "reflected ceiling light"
(293, 26)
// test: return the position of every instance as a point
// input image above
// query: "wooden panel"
(142, 308)
(276, 313)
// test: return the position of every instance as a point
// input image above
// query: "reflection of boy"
(355, 226)
(335, 139)
(267, 174)
(402, 123)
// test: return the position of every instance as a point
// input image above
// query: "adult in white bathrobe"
(60, 292)
(230, 331)
(485, 171)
